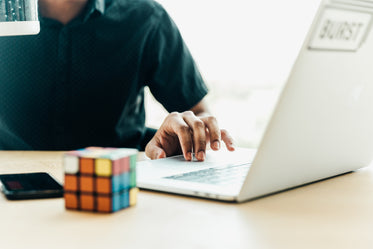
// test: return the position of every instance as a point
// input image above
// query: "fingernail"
(189, 156)
(216, 145)
(232, 147)
(201, 155)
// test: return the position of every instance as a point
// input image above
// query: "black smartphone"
(30, 186)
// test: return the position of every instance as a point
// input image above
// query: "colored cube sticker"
(100, 179)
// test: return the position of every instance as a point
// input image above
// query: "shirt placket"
(62, 87)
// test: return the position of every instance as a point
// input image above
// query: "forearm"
(201, 109)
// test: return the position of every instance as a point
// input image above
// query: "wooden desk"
(337, 213)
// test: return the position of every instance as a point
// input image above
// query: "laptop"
(19, 17)
(321, 126)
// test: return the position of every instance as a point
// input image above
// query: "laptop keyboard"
(232, 174)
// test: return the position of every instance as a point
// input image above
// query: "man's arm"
(188, 132)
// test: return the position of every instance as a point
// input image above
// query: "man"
(80, 82)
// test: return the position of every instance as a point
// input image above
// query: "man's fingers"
(155, 152)
(228, 140)
(189, 133)
(214, 131)
(160, 153)
(198, 133)
(183, 132)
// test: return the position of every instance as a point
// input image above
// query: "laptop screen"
(18, 17)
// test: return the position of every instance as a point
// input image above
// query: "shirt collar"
(94, 5)
(100, 6)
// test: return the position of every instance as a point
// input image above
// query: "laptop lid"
(322, 125)
(19, 17)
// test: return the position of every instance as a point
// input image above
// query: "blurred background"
(245, 50)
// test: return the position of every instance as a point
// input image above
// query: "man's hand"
(186, 133)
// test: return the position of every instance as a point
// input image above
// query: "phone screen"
(30, 186)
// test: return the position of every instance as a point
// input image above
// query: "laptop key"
(232, 174)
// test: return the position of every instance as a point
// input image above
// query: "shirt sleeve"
(175, 80)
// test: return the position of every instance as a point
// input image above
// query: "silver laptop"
(322, 125)
(19, 17)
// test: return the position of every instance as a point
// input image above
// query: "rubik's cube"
(100, 179)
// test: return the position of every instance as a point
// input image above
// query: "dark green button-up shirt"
(81, 84)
